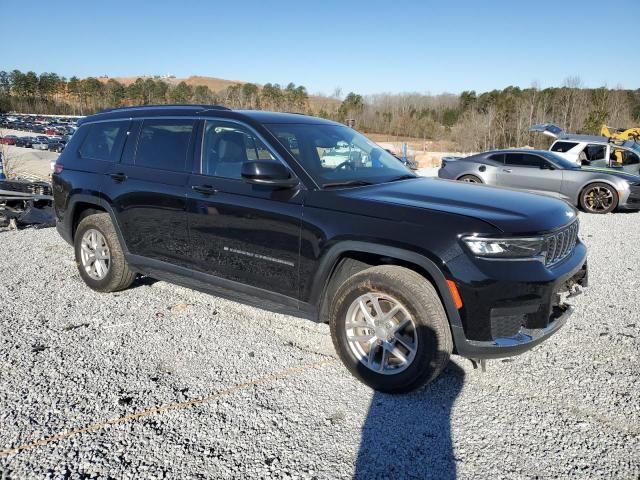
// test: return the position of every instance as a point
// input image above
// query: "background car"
(8, 140)
(24, 142)
(593, 150)
(40, 143)
(57, 144)
(595, 190)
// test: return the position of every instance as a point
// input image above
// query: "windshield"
(560, 161)
(633, 146)
(336, 154)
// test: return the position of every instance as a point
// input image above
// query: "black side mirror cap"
(269, 173)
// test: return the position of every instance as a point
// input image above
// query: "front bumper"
(522, 341)
(509, 307)
(630, 201)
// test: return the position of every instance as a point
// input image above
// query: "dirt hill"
(316, 103)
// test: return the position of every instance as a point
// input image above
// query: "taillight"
(58, 168)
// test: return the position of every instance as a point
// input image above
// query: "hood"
(510, 211)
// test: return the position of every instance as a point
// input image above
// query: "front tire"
(599, 198)
(390, 329)
(99, 256)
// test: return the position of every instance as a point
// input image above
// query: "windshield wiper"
(347, 183)
(402, 177)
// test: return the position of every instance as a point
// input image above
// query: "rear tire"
(599, 198)
(99, 256)
(470, 179)
(410, 347)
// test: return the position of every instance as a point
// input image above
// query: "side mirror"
(268, 172)
(546, 166)
(585, 162)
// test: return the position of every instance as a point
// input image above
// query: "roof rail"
(168, 105)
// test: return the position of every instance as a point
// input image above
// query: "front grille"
(560, 244)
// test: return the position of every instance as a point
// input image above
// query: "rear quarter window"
(102, 141)
(497, 158)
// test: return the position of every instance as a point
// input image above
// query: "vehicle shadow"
(409, 436)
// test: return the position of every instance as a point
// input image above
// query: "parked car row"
(39, 124)
(41, 142)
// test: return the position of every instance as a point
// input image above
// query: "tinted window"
(562, 146)
(101, 140)
(594, 152)
(226, 146)
(163, 144)
(497, 157)
(523, 160)
(624, 157)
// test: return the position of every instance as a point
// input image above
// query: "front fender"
(435, 269)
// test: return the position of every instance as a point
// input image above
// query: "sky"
(367, 47)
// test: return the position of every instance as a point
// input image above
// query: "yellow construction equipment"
(621, 134)
(616, 135)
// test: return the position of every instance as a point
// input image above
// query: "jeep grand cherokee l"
(246, 204)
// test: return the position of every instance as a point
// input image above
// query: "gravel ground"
(163, 382)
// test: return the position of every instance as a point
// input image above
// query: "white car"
(592, 150)
(40, 144)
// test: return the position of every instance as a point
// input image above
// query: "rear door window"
(164, 144)
(103, 141)
(522, 160)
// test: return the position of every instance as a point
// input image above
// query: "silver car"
(40, 143)
(541, 171)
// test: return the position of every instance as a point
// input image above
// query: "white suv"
(592, 150)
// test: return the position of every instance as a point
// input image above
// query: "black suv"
(308, 217)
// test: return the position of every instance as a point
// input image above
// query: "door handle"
(507, 170)
(118, 177)
(204, 189)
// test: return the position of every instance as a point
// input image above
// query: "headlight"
(530, 247)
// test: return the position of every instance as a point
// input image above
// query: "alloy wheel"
(381, 333)
(598, 198)
(94, 254)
